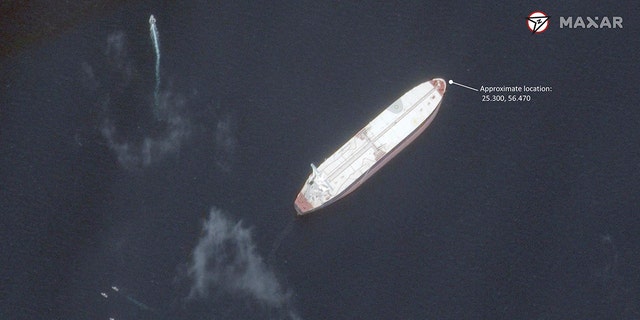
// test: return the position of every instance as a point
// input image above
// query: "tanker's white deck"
(371, 147)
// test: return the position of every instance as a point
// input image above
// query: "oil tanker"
(371, 148)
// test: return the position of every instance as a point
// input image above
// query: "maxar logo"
(591, 22)
(538, 22)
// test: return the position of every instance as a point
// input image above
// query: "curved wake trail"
(155, 37)
(278, 241)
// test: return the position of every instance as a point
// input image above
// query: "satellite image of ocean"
(151, 153)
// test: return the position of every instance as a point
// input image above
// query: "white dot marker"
(462, 85)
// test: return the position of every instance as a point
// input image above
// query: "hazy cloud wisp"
(226, 258)
(122, 106)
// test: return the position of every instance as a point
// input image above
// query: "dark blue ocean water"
(113, 207)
